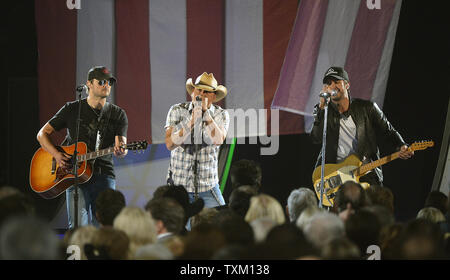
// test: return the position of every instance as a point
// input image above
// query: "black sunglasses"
(103, 82)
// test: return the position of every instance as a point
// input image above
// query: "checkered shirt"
(182, 157)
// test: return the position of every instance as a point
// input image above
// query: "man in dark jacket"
(354, 126)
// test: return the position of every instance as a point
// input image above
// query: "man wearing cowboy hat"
(194, 132)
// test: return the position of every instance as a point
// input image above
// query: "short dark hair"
(169, 211)
(350, 192)
(108, 205)
(437, 200)
(240, 199)
(245, 172)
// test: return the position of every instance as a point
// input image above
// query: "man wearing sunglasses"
(102, 125)
(354, 126)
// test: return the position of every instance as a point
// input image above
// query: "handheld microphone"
(328, 94)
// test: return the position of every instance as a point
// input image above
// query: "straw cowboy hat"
(207, 82)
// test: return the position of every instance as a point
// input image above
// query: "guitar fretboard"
(374, 164)
(96, 154)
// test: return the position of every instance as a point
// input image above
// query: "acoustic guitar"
(351, 169)
(49, 180)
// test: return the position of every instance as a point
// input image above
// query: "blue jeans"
(212, 198)
(87, 194)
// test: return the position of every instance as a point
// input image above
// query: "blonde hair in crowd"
(264, 205)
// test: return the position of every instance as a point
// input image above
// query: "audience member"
(168, 216)
(239, 200)
(363, 229)
(432, 214)
(264, 205)
(234, 228)
(245, 172)
(298, 200)
(203, 242)
(108, 244)
(160, 191)
(261, 228)
(437, 200)
(139, 227)
(108, 205)
(420, 240)
(15, 204)
(384, 215)
(156, 251)
(323, 228)
(306, 216)
(205, 216)
(350, 194)
(82, 236)
(181, 196)
(287, 241)
(379, 195)
(28, 238)
(341, 249)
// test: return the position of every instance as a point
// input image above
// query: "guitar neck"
(374, 164)
(96, 154)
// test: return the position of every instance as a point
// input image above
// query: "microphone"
(328, 94)
(81, 88)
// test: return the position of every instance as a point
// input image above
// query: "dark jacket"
(372, 127)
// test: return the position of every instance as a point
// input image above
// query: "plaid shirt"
(181, 168)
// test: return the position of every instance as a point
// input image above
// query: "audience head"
(299, 200)
(350, 192)
(15, 204)
(108, 243)
(235, 229)
(180, 195)
(437, 200)
(421, 239)
(341, 249)
(306, 216)
(287, 241)
(261, 228)
(245, 172)
(82, 236)
(28, 238)
(108, 205)
(138, 225)
(203, 242)
(205, 216)
(363, 229)
(264, 205)
(379, 195)
(167, 214)
(385, 216)
(432, 214)
(239, 200)
(160, 191)
(323, 228)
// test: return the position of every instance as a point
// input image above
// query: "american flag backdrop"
(270, 54)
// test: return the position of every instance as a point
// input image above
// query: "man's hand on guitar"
(405, 152)
(119, 151)
(63, 160)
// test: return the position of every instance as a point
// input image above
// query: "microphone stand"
(197, 139)
(75, 160)
(324, 141)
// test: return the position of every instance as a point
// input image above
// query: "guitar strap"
(102, 125)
